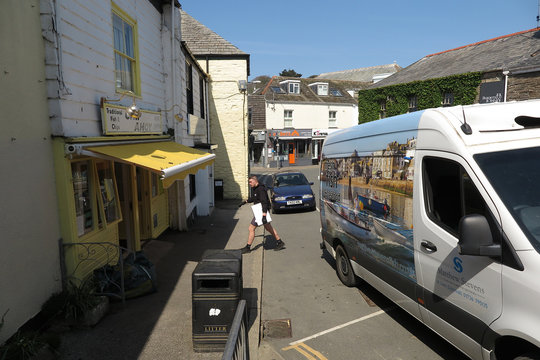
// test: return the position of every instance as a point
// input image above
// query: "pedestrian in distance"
(260, 195)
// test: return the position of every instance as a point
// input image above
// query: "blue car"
(291, 190)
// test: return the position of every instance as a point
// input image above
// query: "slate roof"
(510, 52)
(362, 74)
(307, 95)
(203, 41)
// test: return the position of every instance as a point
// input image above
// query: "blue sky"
(313, 36)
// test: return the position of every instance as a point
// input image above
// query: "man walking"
(260, 195)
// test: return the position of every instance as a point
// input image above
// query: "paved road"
(328, 320)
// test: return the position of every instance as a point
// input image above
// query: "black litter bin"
(216, 291)
(218, 189)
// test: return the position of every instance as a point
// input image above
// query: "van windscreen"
(514, 174)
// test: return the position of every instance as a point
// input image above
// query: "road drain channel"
(277, 329)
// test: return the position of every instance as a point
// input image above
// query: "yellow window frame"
(99, 220)
(116, 10)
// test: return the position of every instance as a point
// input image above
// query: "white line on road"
(343, 325)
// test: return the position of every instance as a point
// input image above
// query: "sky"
(314, 37)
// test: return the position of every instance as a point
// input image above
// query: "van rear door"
(462, 294)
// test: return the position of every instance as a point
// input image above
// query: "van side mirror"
(475, 237)
(311, 183)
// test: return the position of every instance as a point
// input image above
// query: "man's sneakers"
(279, 245)
(246, 249)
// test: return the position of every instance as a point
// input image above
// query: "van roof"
(490, 123)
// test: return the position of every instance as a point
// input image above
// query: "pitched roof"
(362, 74)
(203, 41)
(510, 52)
(307, 94)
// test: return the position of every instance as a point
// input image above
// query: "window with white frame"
(287, 118)
(294, 88)
(322, 89)
(332, 119)
(125, 52)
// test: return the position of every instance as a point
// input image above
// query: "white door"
(462, 294)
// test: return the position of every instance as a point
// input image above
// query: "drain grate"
(277, 328)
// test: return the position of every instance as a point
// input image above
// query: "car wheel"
(343, 268)
(535, 355)
(274, 211)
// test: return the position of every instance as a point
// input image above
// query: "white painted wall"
(311, 116)
(83, 46)
(29, 225)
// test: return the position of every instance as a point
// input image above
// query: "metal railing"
(94, 255)
(237, 346)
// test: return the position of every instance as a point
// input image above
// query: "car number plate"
(294, 202)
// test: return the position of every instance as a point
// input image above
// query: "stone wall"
(523, 86)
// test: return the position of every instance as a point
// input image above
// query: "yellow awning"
(170, 160)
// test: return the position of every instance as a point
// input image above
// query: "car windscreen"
(514, 174)
(290, 180)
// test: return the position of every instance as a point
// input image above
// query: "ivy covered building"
(505, 68)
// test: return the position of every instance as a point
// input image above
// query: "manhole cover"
(277, 328)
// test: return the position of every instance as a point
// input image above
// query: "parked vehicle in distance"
(439, 210)
(291, 190)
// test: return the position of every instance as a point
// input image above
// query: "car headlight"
(279, 198)
(307, 196)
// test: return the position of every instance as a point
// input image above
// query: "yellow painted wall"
(29, 230)
(83, 257)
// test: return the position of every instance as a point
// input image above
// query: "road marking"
(307, 351)
(377, 313)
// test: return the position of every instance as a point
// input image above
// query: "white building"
(105, 111)
(298, 115)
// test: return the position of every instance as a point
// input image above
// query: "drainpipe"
(505, 73)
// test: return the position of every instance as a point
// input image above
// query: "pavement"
(159, 325)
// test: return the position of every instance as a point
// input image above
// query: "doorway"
(292, 153)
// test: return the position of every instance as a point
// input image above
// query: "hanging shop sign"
(116, 121)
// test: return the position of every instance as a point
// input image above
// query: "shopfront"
(292, 146)
(121, 190)
(317, 140)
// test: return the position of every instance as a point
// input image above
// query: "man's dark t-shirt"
(260, 195)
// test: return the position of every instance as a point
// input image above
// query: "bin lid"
(225, 268)
(221, 254)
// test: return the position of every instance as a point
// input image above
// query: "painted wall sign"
(115, 121)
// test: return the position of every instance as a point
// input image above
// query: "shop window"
(82, 190)
(192, 189)
(107, 189)
(125, 51)
(157, 185)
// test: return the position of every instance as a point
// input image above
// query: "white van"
(440, 211)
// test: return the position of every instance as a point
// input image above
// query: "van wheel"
(535, 355)
(343, 268)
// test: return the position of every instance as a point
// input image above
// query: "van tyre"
(535, 355)
(343, 268)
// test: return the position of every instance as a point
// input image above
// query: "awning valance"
(172, 161)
